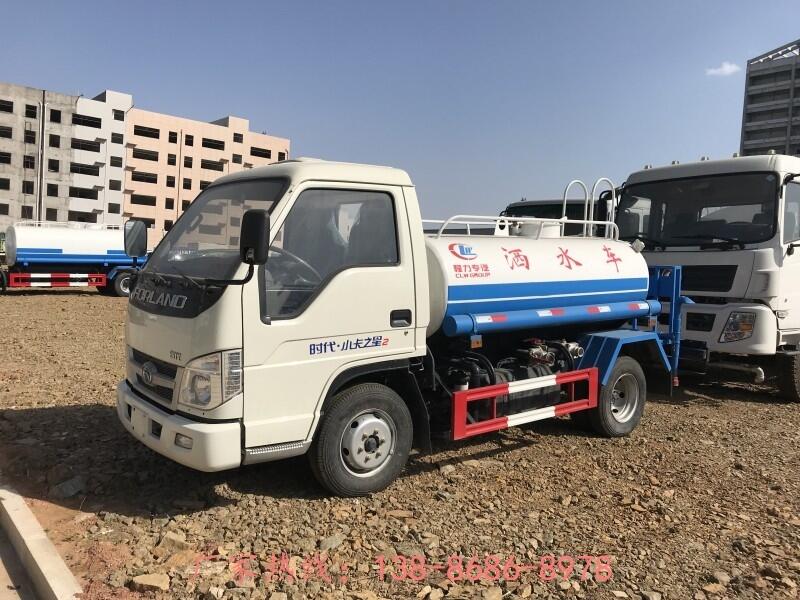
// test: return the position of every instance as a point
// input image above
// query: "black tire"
(618, 412)
(366, 408)
(122, 284)
(789, 377)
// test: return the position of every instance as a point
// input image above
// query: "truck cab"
(733, 226)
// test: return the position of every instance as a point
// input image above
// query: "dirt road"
(702, 501)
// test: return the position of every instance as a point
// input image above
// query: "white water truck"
(300, 308)
(44, 254)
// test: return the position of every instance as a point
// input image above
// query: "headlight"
(739, 327)
(211, 380)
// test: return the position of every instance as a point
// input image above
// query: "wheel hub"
(624, 398)
(367, 442)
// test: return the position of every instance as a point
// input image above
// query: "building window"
(117, 138)
(5, 132)
(115, 185)
(143, 200)
(53, 165)
(189, 140)
(238, 138)
(260, 152)
(52, 214)
(204, 185)
(169, 203)
(5, 158)
(212, 165)
(30, 136)
(52, 190)
(3, 209)
(54, 141)
(84, 169)
(145, 154)
(89, 146)
(187, 162)
(79, 192)
(27, 187)
(81, 217)
(31, 111)
(185, 204)
(144, 177)
(5, 183)
(281, 156)
(55, 116)
(87, 121)
(6, 106)
(113, 208)
(167, 225)
(148, 132)
(119, 115)
(173, 137)
(213, 144)
(28, 162)
(115, 161)
(171, 159)
(170, 181)
(26, 212)
(187, 183)
(237, 159)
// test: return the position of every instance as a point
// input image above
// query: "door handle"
(400, 318)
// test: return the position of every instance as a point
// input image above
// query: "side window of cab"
(326, 232)
(791, 213)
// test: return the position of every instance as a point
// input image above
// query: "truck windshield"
(724, 210)
(555, 210)
(204, 242)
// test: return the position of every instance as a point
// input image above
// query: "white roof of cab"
(742, 164)
(306, 169)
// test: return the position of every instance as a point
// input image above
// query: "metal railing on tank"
(516, 226)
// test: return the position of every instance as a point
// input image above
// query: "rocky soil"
(702, 501)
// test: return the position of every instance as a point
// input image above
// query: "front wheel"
(789, 376)
(363, 442)
(621, 402)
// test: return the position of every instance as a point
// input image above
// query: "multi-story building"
(771, 115)
(57, 155)
(99, 160)
(170, 160)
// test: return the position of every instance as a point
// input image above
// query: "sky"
(481, 102)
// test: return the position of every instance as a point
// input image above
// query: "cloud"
(725, 69)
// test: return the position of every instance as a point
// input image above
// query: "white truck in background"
(299, 308)
(734, 226)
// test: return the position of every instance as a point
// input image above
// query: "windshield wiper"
(726, 240)
(192, 280)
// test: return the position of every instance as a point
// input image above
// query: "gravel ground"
(700, 502)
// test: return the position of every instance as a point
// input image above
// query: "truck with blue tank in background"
(301, 308)
(49, 255)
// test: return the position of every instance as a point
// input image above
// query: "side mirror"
(135, 239)
(254, 237)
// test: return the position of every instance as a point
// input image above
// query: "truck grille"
(708, 278)
(156, 381)
(699, 321)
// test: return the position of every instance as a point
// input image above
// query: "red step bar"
(51, 280)
(461, 428)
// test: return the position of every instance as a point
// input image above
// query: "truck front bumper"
(214, 446)
(706, 322)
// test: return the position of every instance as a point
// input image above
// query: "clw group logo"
(462, 251)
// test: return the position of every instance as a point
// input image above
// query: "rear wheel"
(789, 377)
(621, 402)
(122, 284)
(363, 441)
